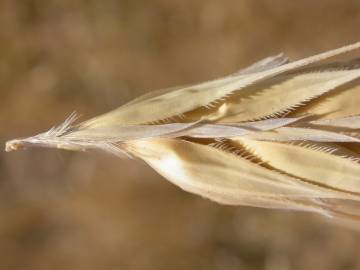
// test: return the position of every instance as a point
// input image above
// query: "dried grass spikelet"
(277, 134)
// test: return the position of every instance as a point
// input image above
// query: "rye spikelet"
(277, 134)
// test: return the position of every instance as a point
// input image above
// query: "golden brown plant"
(275, 135)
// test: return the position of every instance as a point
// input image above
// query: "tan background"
(62, 210)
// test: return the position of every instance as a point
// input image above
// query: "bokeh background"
(64, 210)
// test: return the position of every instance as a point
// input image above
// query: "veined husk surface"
(277, 134)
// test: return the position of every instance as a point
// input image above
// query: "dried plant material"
(214, 172)
(229, 140)
(314, 162)
(288, 134)
(351, 122)
(340, 104)
(283, 95)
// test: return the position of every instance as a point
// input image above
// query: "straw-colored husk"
(277, 134)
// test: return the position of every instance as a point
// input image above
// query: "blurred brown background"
(63, 210)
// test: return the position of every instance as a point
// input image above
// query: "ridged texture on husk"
(277, 134)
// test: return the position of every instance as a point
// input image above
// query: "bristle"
(236, 147)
